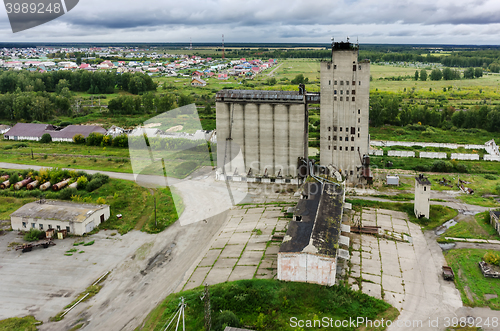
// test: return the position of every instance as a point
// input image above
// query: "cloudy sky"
(372, 21)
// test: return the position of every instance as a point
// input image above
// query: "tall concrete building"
(345, 95)
(261, 132)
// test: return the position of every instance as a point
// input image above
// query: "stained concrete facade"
(345, 95)
(261, 132)
(422, 196)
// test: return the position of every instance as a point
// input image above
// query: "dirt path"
(271, 74)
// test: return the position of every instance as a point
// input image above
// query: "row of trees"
(33, 106)
(78, 81)
(448, 74)
(391, 109)
(98, 139)
(147, 103)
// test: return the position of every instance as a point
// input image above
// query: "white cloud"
(382, 21)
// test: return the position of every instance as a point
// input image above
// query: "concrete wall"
(388, 143)
(269, 135)
(460, 156)
(308, 268)
(433, 155)
(77, 228)
(491, 158)
(401, 153)
(340, 112)
(422, 200)
(377, 152)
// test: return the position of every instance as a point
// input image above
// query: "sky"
(463, 22)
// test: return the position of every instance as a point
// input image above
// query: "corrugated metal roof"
(71, 130)
(28, 130)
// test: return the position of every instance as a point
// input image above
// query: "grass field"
(470, 281)
(27, 323)
(269, 305)
(478, 227)
(8, 205)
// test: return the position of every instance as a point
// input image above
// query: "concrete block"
(218, 275)
(242, 272)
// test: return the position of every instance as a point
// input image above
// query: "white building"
(75, 218)
(422, 196)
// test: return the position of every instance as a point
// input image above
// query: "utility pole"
(208, 317)
(154, 198)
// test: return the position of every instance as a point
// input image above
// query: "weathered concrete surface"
(409, 274)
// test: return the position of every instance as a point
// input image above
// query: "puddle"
(445, 226)
(446, 247)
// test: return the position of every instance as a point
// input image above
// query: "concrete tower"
(345, 93)
(422, 196)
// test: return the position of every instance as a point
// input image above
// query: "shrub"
(66, 193)
(226, 318)
(79, 139)
(490, 177)
(46, 138)
(492, 258)
(82, 182)
(34, 235)
(442, 166)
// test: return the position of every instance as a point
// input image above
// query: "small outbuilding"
(422, 196)
(75, 218)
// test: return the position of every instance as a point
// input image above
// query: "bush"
(226, 318)
(82, 182)
(46, 138)
(66, 193)
(490, 177)
(34, 235)
(492, 258)
(461, 168)
(79, 139)
(442, 166)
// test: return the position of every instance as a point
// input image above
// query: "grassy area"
(438, 214)
(8, 205)
(470, 281)
(27, 323)
(431, 134)
(136, 205)
(477, 227)
(269, 304)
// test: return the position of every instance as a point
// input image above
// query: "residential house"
(197, 81)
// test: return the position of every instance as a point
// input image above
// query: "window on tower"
(359, 111)
(334, 82)
(340, 98)
(334, 91)
(353, 99)
(341, 82)
(340, 138)
(353, 130)
(353, 83)
(353, 92)
(352, 148)
(347, 82)
(354, 68)
(334, 66)
(334, 98)
(335, 129)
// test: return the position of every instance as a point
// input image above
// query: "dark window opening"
(340, 148)
(334, 66)
(334, 148)
(329, 82)
(352, 148)
(329, 128)
(353, 99)
(359, 111)
(353, 92)
(352, 138)
(354, 68)
(353, 130)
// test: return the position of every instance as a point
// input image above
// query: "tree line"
(148, 103)
(448, 74)
(391, 109)
(100, 82)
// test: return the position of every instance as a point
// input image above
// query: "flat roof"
(265, 95)
(57, 210)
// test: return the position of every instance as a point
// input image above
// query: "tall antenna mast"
(223, 55)
(190, 44)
